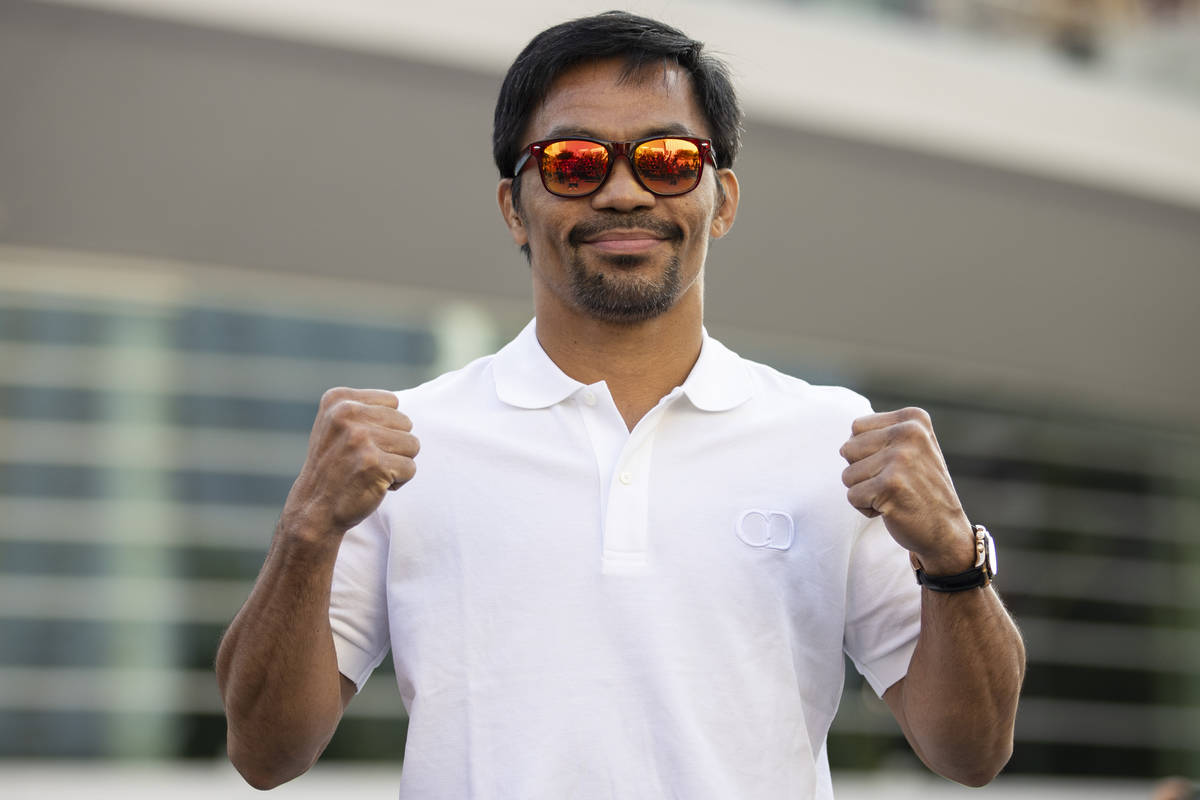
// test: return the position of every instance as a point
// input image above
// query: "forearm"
(959, 700)
(276, 666)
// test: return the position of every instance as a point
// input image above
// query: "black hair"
(613, 34)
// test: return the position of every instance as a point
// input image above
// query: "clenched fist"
(360, 447)
(897, 471)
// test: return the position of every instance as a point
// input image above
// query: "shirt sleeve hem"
(354, 662)
(883, 672)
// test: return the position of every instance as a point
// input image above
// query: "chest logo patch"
(771, 529)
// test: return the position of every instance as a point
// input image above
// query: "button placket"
(626, 543)
(607, 433)
(623, 462)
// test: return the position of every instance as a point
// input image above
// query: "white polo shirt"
(580, 611)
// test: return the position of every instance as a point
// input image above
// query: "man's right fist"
(360, 447)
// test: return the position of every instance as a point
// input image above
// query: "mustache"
(616, 220)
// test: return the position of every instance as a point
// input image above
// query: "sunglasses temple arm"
(521, 163)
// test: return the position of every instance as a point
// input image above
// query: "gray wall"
(136, 137)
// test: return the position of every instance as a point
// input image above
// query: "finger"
(886, 419)
(866, 496)
(370, 397)
(397, 469)
(382, 417)
(864, 444)
(867, 511)
(864, 469)
(396, 442)
(910, 437)
(345, 414)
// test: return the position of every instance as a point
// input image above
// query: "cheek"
(548, 220)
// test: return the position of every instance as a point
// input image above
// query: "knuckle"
(338, 414)
(335, 395)
(910, 430)
(891, 481)
(357, 438)
(404, 471)
(367, 460)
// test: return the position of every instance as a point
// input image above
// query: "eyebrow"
(667, 129)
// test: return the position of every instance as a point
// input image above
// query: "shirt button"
(589, 398)
(625, 478)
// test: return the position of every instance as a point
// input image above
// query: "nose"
(622, 192)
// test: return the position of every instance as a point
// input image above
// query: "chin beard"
(624, 298)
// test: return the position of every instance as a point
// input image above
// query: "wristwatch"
(976, 577)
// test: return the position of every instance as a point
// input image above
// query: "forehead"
(599, 99)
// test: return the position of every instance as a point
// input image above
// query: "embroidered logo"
(771, 529)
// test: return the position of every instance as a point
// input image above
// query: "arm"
(957, 704)
(276, 666)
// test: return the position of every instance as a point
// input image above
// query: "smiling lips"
(625, 241)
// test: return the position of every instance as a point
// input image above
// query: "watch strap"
(976, 577)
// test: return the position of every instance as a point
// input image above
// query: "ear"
(512, 218)
(727, 211)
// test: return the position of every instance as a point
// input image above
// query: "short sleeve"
(883, 607)
(358, 600)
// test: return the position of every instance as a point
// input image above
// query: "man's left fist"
(897, 471)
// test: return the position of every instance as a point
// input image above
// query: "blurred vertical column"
(1183, 520)
(463, 332)
(138, 506)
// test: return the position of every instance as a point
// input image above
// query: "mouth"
(625, 241)
(627, 236)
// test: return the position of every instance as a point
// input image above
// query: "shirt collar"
(527, 378)
(525, 375)
(720, 380)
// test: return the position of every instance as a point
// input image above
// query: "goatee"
(621, 295)
(624, 297)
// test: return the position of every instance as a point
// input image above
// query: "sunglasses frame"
(615, 150)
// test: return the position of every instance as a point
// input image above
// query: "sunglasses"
(666, 166)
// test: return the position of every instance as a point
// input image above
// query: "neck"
(640, 362)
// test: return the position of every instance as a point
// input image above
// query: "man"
(631, 561)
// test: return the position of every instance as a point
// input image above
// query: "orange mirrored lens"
(668, 166)
(573, 166)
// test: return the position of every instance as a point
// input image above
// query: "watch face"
(991, 546)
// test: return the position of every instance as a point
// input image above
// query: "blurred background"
(211, 211)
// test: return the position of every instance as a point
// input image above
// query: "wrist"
(308, 531)
(978, 574)
(956, 555)
(308, 515)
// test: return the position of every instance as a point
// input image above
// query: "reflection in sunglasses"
(577, 167)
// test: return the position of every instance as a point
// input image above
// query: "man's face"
(620, 254)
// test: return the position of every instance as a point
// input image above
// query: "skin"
(1174, 789)
(618, 280)
(276, 666)
(957, 705)
(641, 359)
